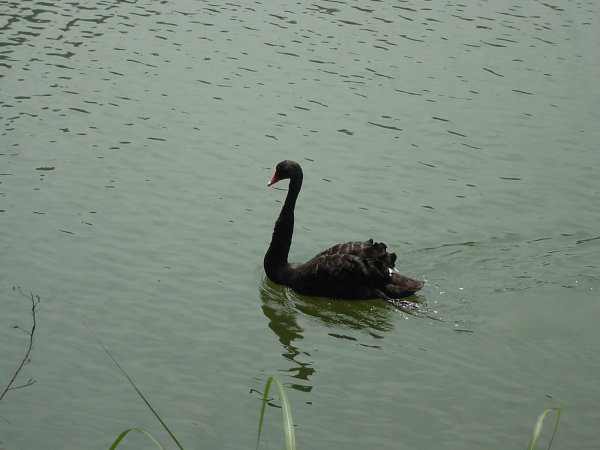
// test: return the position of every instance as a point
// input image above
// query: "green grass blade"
(136, 389)
(288, 422)
(139, 430)
(537, 429)
(262, 408)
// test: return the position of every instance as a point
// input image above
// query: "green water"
(137, 139)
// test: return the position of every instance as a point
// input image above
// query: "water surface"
(137, 140)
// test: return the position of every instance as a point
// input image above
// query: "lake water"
(137, 140)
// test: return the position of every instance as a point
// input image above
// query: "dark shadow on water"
(282, 321)
(284, 308)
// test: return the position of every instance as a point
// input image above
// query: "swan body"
(353, 270)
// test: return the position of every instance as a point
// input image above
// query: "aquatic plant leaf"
(288, 422)
(537, 429)
(139, 430)
(150, 407)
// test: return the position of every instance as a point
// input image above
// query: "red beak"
(274, 180)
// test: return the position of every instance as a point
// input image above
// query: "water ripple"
(132, 192)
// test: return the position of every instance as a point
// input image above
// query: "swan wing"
(365, 262)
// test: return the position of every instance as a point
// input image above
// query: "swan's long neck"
(276, 259)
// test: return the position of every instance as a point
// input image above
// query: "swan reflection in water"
(284, 308)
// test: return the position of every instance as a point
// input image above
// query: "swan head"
(285, 169)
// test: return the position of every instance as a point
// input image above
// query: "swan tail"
(401, 286)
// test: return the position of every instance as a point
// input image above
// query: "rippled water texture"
(137, 139)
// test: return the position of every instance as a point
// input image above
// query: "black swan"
(354, 270)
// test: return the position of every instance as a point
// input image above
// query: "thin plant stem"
(9, 387)
(136, 388)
